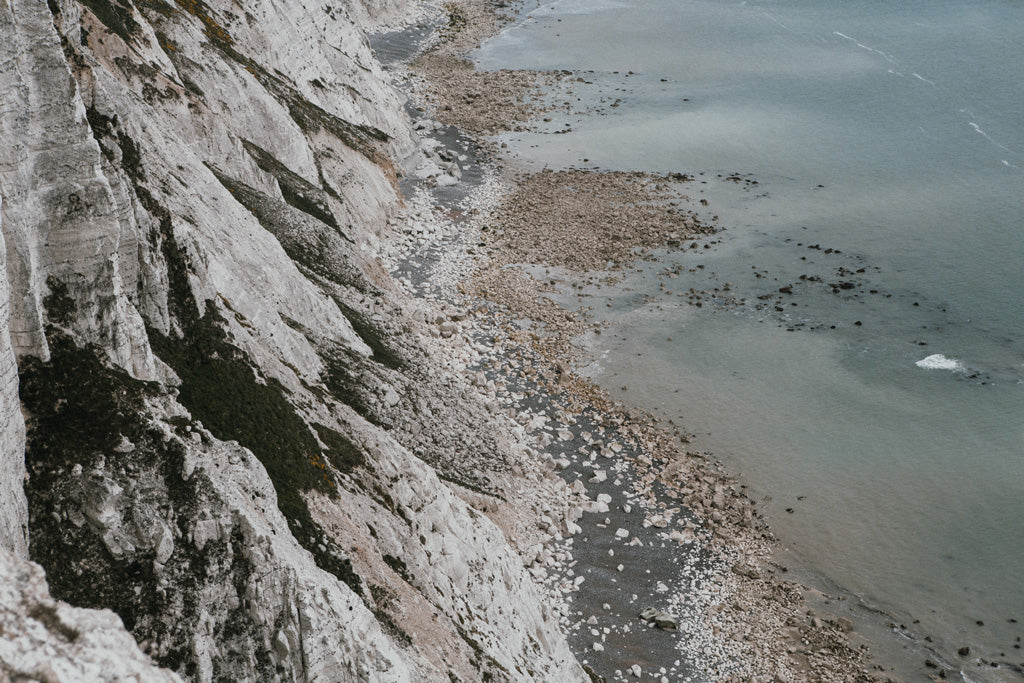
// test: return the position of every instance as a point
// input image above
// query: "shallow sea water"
(892, 134)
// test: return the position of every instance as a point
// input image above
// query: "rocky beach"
(660, 564)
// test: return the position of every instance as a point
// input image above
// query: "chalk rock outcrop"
(216, 379)
(46, 640)
(13, 508)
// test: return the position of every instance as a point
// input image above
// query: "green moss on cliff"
(343, 453)
(222, 390)
(296, 190)
(116, 16)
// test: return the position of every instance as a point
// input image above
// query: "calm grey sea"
(892, 134)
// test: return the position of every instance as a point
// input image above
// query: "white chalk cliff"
(207, 385)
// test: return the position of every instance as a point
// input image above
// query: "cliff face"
(215, 378)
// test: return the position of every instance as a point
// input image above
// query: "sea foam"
(937, 361)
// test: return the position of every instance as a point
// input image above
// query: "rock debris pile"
(587, 220)
(482, 102)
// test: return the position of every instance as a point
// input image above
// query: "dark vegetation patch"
(487, 665)
(383, 498)
(455, 477)
(191, 86)
(223, 390)
(347, 385)
(167, 44)
(324, 184)
(296, 190)
(323, 254)
(398, 565)
(75, 399)
(116, 16)
(233, 632)
(392, 628)
(374, 336)
(343, 453)
(158, 6)
(384, 601)
(309, 242)
(79, 409)
(60, 308)
(103, 129)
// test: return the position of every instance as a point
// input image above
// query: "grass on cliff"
(325, 256)
(116, 16)
(79, 409)
(222, 390)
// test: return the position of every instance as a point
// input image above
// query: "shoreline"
(645, 469)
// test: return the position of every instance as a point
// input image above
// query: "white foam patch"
(937, 361)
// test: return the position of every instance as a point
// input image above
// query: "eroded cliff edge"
(217, 383)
